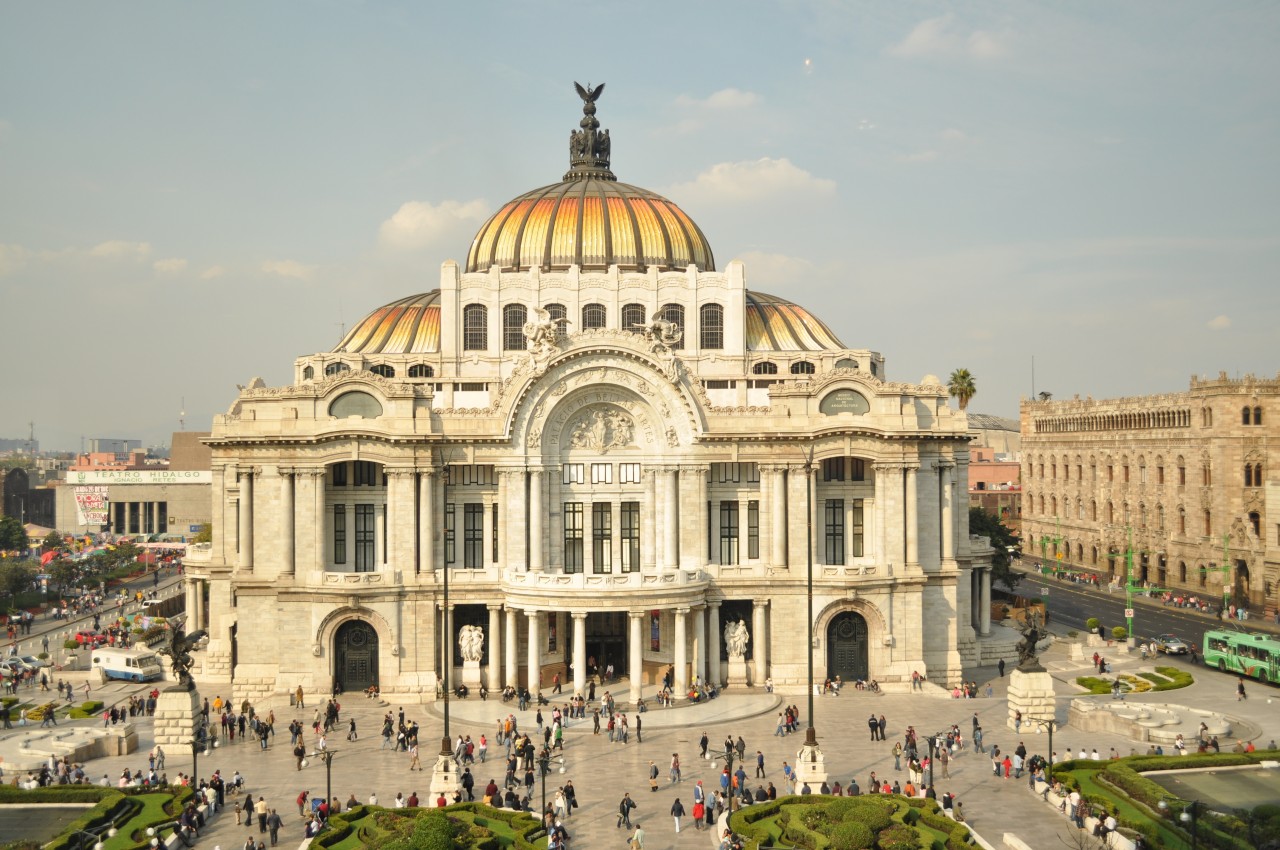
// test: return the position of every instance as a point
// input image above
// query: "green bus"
(1254, 655)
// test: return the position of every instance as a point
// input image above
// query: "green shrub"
(851, 835)
(1119, 632)
(959, 839)
(70, 644)
(1178, 679)
(1092, 624)
(898, 837)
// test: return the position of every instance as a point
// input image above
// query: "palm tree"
(962, 387)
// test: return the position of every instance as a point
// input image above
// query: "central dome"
(589, 219)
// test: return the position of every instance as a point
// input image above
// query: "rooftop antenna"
(182, 415)
(1033, 377)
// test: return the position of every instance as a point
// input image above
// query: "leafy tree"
(988, 525)
(205, 534)
(961, 385)
(13, 537)
(53, 542)
(62, 574)
(15, 577)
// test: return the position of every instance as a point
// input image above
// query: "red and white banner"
(91, 505)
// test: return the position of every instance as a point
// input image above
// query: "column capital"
(911, 467)
(578, 615)
(532, 613)
(248, 469)
(495, 607)
(683, 610)
(399, 471)
(713, 603)
(637, 615)
(310, 471)
(760, 603)
(286, 470)
(887, 466)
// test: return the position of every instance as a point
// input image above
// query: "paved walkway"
(601, 771)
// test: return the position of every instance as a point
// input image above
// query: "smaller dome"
(408, 326)
(775, 324)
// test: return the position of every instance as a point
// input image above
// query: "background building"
(1184, 475)
(612, 451)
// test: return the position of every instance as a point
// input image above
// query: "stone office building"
(610, 450)
(1187, 477)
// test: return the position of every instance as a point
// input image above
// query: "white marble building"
(610, 449)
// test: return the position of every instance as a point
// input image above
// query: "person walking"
(414, 762)
(897, 755)
(1240, 694)
(677, 812)
(625, 805)
(261, 810)
(759, 765)
(274, 822)
(637, 839)
(1000, 667)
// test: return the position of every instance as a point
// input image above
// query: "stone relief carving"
(471, 642)
(601, 429)
(543, 334)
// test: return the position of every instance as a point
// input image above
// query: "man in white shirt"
(373, 799)
(398, 803)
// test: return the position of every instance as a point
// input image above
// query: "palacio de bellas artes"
(588, 447)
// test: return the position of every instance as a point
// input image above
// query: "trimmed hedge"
(90, 709)
(527, 829)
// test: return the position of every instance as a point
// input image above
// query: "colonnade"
(980, 600)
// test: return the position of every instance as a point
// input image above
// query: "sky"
(194, 194)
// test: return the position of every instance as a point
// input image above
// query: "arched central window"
(513, 318)
(421, 370)
(383, 370)
(766, 367)
(633, 318)
(674, 313)
(475, 327)
(556, 313)
(593, 316)
(711, 327)
(335, 368)
(802, 367)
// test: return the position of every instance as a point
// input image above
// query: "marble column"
(948, 514)
(287, 543)
(680, 654)
(515, 522)
(309, 497)
(426, 521)
(649, 522)
(759, 643)
(670, 523)
(911, 518)
(512, 666)
(635, 647)
(245, 561)
(984, 604)
(534, 676)
(778, 506)
(495, 648)
(579, 653)
(713, 644)
(380, 536)
(700, 643)
(537, 523)
(848, 531)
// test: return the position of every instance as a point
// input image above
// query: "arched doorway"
(847, 647)
(355, 656)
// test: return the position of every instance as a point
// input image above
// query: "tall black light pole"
(810, 734)
(327, 757)
(446, 654)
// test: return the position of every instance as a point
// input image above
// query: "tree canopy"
(988, 525)
(961, 385)
(13, 537)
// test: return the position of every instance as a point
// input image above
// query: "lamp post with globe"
(109, 832)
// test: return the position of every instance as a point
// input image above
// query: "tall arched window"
(383, 370)
(513, 318)
(308, 373)
(421, 370)
(1246, 415)
(593, 316)
(556, 312)
(1257, 416)
(632, 318)
(711, 326)
(674, 313)
(802, 367)
(766, 367)
(1255, 519)
(475, 327)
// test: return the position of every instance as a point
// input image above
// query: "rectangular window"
(719, 385)
(628, 473)
(1126, 473)
(735, 473)
(1159, 474)
(1208, 525)
(365, 526)
(493, 525)
(339, 532)
(339, 474)
(1111, 472)
(728, 533)
(630, 527)
(482, 473)
(164, 518)
(572, 473)
(834, 525)
(601, 536)
(857, 529)
(1182, 476)
(366, 473)
(833, 469)
(601, 473)
(473, 535)
(753, 529)
(449, 535)
(857, 469)
(1206, 475)
(573, 537)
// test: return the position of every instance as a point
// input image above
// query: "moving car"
(32, 662)
(1171, 645)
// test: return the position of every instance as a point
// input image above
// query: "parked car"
(33, 662)
(1171, 645)
(90, 639)
(13, 666)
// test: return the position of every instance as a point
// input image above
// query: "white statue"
(471, 643)
(736, 637)
(542, 334)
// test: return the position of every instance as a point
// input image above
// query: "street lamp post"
(153, 833)
(1047, 724)
(109, 832)
(1191, 814)
(327, 757)
(728, 763)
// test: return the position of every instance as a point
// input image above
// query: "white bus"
(133, 665)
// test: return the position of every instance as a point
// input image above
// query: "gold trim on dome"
(775, 324)
(408, 326)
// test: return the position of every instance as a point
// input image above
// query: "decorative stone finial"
(588, 146)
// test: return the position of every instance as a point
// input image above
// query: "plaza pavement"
(601, 771)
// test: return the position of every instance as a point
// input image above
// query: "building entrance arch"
(847, 647)
(355, 656)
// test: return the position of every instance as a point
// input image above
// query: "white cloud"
(169, 265)
(951, 134)
(12, 257)
(289, 268)
(729, 98)
(945, 38)
(418, 223)
(212, 272)
(1219, 323)
(117, 249)
(733, 182)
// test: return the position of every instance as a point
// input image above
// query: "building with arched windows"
(1187, 477)
(611, 450)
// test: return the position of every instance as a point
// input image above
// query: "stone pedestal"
(178, 719)
(811, 766)
(446, 779)
(471, 674)
(1031, 692)
(736, 672)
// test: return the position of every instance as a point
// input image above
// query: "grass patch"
(1178, 678)
(1128, 684)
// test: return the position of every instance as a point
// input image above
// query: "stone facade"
(1184, 480)
(597, 466)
